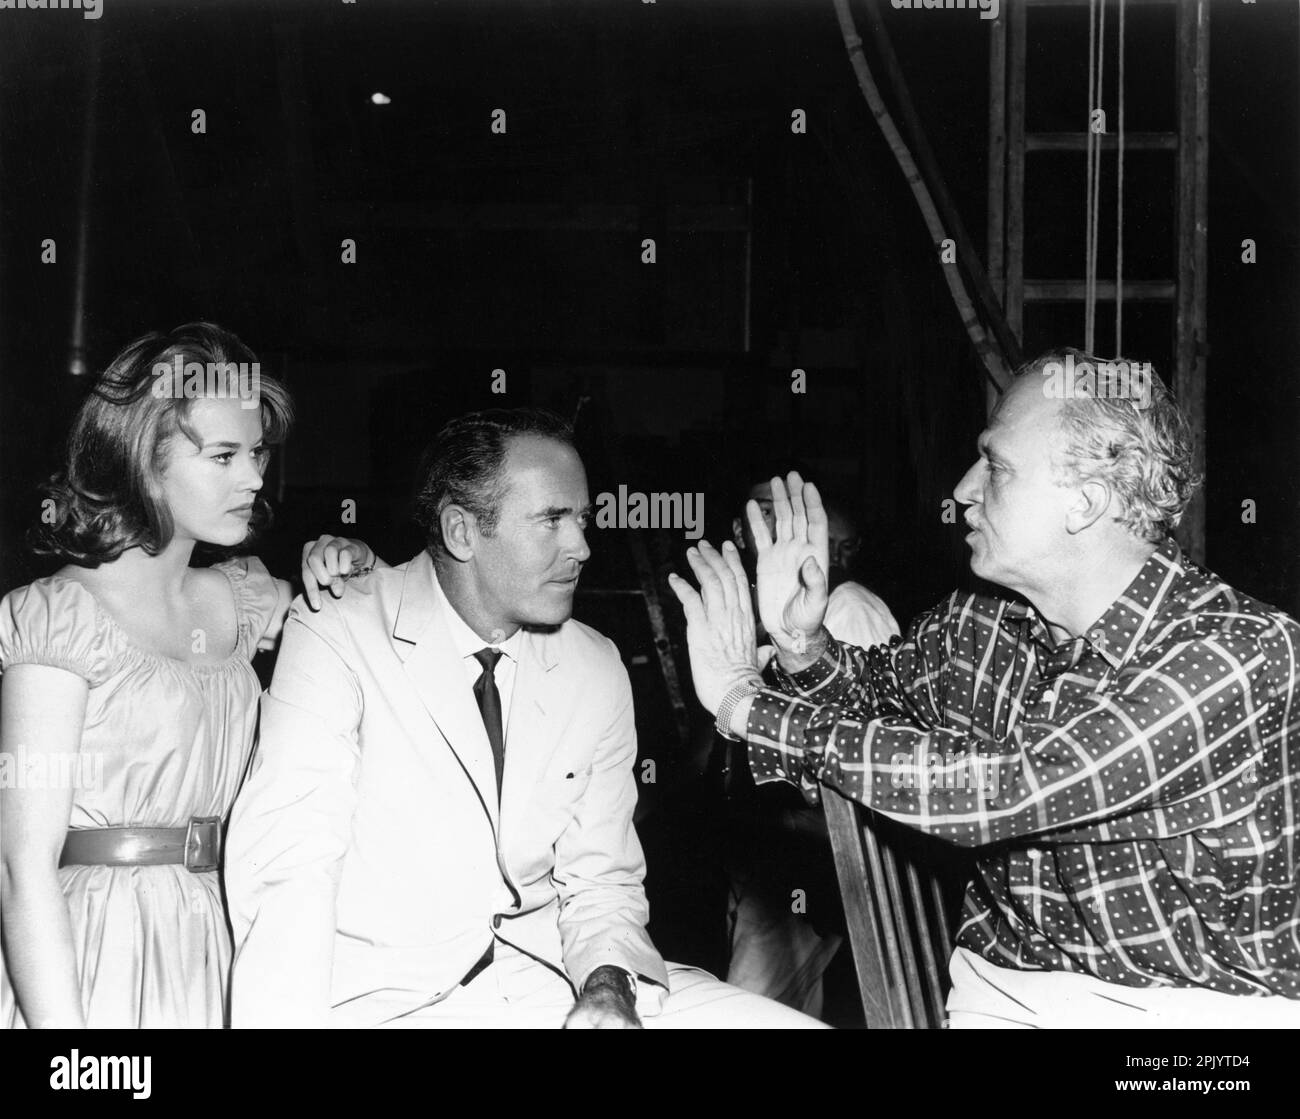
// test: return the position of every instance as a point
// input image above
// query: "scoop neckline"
(136, 647)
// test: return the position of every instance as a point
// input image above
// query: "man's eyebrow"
(560, 511)
(985, 446)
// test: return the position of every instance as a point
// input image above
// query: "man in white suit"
(437, 828)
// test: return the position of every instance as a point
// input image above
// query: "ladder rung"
(1078, 141)
(1084, 3)
(1074, 291)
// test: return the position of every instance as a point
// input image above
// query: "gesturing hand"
(719, 622)
(792, 568)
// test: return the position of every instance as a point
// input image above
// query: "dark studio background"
(522, 252)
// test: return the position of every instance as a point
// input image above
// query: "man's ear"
(459, 529)
(1092, 499)
(737, 534)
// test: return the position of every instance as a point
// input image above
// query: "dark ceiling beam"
(507, 216)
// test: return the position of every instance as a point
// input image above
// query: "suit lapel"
(532, 731)
(437, 676)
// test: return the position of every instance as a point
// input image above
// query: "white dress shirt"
(467, 643)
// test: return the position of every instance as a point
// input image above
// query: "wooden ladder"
(1009, 148)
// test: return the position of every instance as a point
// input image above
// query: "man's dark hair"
(463, 465)
(760, 469)
(846, 501)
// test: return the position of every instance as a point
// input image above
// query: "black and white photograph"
(650, 514)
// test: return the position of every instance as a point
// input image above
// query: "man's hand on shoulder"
(607, 1002)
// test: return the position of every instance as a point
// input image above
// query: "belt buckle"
(203, 844)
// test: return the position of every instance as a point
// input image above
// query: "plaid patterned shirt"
(1134, 789)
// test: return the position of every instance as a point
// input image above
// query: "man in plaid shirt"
(1120, 739)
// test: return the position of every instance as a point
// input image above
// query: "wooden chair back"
(897, 912)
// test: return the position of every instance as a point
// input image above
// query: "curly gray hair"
(1138, 443)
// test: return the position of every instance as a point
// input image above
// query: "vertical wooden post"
(1193, 22)
(997, 177)
(1015, 218)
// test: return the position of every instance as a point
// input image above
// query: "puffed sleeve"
(256, 596)
(56, 622)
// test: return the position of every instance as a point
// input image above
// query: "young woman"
(128, 701)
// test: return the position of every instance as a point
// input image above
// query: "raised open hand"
(719, 622)
(792, 567)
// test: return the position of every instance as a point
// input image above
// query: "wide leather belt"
(197, 846)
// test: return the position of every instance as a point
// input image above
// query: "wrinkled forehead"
(1025, 421)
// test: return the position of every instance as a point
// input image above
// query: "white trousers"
(517, 992)
(776, 953)
(988, 997)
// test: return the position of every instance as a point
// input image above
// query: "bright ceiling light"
(380, 99)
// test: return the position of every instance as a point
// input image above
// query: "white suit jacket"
(367, 864)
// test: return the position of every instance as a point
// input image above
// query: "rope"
(1119, 200)
(1090, 143)
(1094, 184)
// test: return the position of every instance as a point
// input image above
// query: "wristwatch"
(628, 975)
(732, 700)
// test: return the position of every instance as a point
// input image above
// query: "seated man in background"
(1117, 732)
(783, 912)
(437, 828)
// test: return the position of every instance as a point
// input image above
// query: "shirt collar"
(1116, 634)
(1021, 615)
(465, 641)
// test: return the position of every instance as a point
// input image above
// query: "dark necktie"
(489, 705)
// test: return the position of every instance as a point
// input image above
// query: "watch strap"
(730, 701)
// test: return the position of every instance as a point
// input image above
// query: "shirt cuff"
(649, 996)
(775, 732)
(807, 680)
